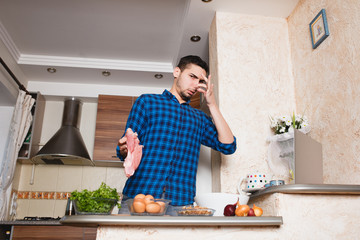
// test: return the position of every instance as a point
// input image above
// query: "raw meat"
(134, 153)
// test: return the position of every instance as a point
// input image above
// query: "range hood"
(67, 146)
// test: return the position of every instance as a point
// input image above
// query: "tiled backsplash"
(43, 195)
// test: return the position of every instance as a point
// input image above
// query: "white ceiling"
(133, 39)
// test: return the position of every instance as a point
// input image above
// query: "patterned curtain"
(20, 124)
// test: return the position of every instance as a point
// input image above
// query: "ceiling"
(132, 39)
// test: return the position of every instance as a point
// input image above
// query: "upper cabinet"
(31, 144)
(112, 114)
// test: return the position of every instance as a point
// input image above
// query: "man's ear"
(176, 72)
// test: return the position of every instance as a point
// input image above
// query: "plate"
(251, 190)
(191, 211)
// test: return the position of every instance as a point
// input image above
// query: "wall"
(327, 85)
(250, 62)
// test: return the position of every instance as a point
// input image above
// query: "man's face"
(187, 81)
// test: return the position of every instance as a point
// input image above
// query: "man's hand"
(224, 132)
(206, 87)
(123, 146)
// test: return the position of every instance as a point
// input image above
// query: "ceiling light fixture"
(51, 70)
(106, 73)
(206, 1)
(158, 76)
(195, 38)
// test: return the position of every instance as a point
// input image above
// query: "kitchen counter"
(101, 220)
(337, 189)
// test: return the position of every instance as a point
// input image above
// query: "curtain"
(20, 124)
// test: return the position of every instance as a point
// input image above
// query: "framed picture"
(319, 30)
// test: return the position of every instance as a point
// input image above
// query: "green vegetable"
(98, 201)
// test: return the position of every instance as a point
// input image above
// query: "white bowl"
(218, 201)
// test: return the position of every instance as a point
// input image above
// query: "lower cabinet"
(53, 232)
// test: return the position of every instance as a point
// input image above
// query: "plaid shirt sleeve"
(210, 138)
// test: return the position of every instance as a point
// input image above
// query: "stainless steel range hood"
(67, 146)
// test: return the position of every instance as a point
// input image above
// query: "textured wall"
(327, 86)
(250, 58)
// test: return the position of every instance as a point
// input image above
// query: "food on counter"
(229, 209)
(153, 207)
(146, 203)
(257, 210)
(148, 199)
(242, 210)
(251, 213)
(134, 153)
(195, 211)
(95, 201)
(139, 206)
(140, 196)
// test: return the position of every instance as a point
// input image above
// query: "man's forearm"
(225, 134)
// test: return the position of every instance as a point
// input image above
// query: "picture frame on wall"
(319, 29)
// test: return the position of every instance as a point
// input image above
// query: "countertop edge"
(109, 220)
(343, 189)
(31, 223)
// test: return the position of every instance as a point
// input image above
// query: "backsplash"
(43, 195)
(52, 186)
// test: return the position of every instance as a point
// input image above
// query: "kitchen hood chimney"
(66, 147)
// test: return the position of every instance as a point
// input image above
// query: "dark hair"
(191, 59)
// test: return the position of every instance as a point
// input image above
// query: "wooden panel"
(112, 114)
(90, 233)
(53, 232)
(195, 101)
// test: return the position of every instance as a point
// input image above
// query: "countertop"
(344, 189)
(96, 220)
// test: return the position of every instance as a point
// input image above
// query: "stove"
(39, 219)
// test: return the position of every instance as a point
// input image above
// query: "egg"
(153, 208)
(140, 196)
(148, 199)
(139, 206)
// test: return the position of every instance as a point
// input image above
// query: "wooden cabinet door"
(112, 114)
(53, 232)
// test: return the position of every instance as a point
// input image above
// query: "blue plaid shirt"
(172, 134)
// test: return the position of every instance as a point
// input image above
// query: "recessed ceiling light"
(158, 76)
(206, 1)
(106, 73)
(195, 38)
(51, 70)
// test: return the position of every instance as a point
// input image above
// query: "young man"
(172, 132)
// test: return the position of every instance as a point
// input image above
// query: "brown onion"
(257, 210)
(242, 210)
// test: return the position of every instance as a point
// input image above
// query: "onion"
(242, 210)
(251, 213)
(257, 210)
(229, 209)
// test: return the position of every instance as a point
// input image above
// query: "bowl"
(218, 201)
(194, 211)
(99, 206)
(161, 213)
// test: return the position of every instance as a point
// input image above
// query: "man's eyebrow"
(194, 75)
